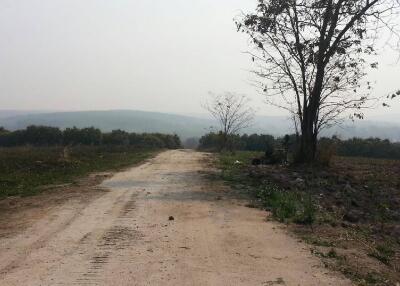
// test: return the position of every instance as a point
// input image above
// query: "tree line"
(53, 136)
(370, 148)
(354, 147)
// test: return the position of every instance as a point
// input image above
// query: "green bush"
(288, 206)
(307, 215)
(85, 136)
(383, 252)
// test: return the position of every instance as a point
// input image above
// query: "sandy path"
(124, 237)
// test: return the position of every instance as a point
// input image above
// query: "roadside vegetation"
(284, 205)
(343, 196)
(348, 211)
(26, 171)
(39, 156)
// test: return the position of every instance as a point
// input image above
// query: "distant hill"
(10, 112)
(366, 129)
(183, 125)
(129, 120)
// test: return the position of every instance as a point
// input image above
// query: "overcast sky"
(131, 54)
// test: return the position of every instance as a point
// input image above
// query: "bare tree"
(313, 56)
(232, 113)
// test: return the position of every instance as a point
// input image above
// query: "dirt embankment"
(125, 236)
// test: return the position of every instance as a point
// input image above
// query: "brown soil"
(359, 212)
(84, 235)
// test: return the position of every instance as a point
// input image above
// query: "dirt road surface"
(125, 236)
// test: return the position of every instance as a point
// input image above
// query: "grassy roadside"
(285, 206)
(348, 213)
(24, 171)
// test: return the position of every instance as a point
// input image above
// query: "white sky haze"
(130, 54)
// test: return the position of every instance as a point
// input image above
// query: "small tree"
(313, 55)
(232, 113)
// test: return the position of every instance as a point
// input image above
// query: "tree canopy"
(314, 55)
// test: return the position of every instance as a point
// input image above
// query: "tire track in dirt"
(125, 237)
(115, 238)
(42, 239)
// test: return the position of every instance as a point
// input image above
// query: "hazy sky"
(130, 54)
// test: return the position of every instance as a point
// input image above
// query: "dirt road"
(125, 237)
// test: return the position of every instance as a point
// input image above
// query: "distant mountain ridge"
(129, 120)
(6, 113)
(183, 125)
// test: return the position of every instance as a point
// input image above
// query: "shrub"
(43, 135)
(211, 142)
(287, 205)
(116, 137)
(326, 151)
(85, 136)
(383, 252)
(307, 215)
(278, 157)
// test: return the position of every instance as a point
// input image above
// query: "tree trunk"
(224, 142)
(309, 133)
(308, 144)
